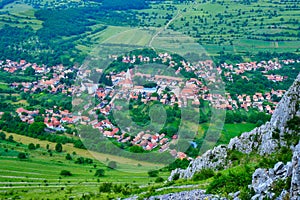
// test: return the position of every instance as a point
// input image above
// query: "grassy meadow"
(39, 175)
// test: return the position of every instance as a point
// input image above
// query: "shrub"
(79, 160)
(2, 136)
(203, 174)
(11, 138)
(117, 188)
(58, 147)
(105, 187)
(235, 155)
(281, 184)
(230, 182)
(68, 157)
(159, 180)
(176, 177)
(22, 155)
(246, 193)
(99, 172)
(65, 173)
(276, 134)
(153, 173)
(88, 161)
(178, 163)
(31, 146)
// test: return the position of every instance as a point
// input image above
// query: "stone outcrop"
(264, 180)
(212, 159)
(260, 139)
(185, 195)
(295, 184)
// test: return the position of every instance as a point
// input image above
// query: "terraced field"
(232, 26)
(39, 175)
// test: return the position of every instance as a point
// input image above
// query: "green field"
(19, 15)
(39, 175)
(232, 26)
(229, 131)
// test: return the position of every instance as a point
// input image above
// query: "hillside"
(243, 28)
(282, 132)
(179, 99)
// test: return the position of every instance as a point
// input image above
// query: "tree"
(159, 180)
(58, 147)
(68, 157)
(112, 165)
(31, 146)
(100, 172)
(11, 138)
(39, 119)
(229, 117)
(29, 71)
(79, 160)
(2, 136)
(137, 149)
(105, 187)
(37, 128)
(65, 173)
(153, 173)
(7, 117)
(22, 155)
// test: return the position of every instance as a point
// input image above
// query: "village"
(168, 90)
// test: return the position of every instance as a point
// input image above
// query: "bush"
(230, 182)
(22, 155)
(100, 172)
(65, 173)
(203, 174)
(88, 161)
(276, 134)
(11, 138)
(79, 160)
(178, 163)
(153, 173)
(105, 187)
(117, 188)
(58, 147)
(235, 155)
(31, 146)
(159, 180)
(246, 193)
(68, 157)
(176, 177)
(2, 136)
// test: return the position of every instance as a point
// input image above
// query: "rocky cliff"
(285, 177)
(265, 139)
(184, 195)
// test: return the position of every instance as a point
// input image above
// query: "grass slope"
(39, 175)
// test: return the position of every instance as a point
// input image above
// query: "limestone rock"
(260, 139)
(295, 184)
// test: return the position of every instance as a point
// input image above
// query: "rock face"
(187, 195)
(263, 180)
(260, 139)
(295, 184)
(212, 159)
